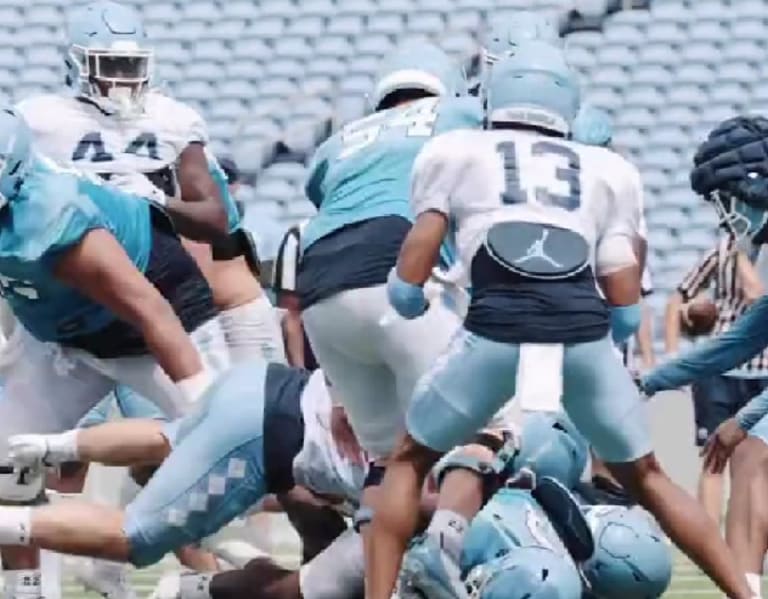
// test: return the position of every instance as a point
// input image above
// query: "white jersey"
(75, 132)
(319, 466)
(480, 178)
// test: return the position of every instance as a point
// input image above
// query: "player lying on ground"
(262, 428)
(532, 257)
(511, 545)
(729, 172)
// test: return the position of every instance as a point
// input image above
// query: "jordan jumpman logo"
(537, 251)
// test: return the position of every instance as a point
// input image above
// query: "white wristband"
(191, 388)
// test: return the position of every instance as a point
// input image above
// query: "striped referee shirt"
(719, 268)
(286, 267)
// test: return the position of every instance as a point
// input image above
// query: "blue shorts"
(719, 397)
(129, 403)
(214, 473)
(475, 376)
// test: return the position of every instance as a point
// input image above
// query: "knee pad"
(22, 485)
(493, 472)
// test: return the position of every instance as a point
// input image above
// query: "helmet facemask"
(116, 78)
(744, 221)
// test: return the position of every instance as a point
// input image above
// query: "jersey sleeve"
(616, 242)
(55, 217)
(437, 171)
(191, 126)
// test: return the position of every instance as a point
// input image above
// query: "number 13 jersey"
(481, 178)
(486, 182)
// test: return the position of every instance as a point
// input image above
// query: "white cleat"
(108, 579)
(27, 450)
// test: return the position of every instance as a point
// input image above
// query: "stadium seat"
(44, 56)
(748, 29)
(363, 65)
(644, 95)
(237, 9)
(328, 67)
(426, 22)
(210, 50)
(668, 33)
(616, 54)
(42, 15)
(335, 46)
(278, 8)
(318, 8)
(728, 93)
(386, 23)
(348, 25)
(464, 20)
(373, 44)
(307, 26)
(655, 75)
(694, 73)
(230, 29)
(704, 52)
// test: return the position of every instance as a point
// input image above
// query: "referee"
(735, 285)
(284, 277)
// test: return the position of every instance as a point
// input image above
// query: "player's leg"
(431, 564)
(345, 336)
(714, 399)
(214, 473)
(252, 329)
(746, 524)
(602, 401)
(336, 573)
(468, 383)
(43, 392)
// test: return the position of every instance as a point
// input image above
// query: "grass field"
(688, 582)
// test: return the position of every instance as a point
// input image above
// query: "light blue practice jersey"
(53, 211)
(364, 170)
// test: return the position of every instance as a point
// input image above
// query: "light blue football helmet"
(108, 59)
(511, 519)
(550, 445)
(418, 65)
(526, 573)
(15, 154)
(632, 559)
(592, 126)
(504, 36)
(534, 87)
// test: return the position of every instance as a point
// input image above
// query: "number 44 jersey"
(486, 180)
(74, 132)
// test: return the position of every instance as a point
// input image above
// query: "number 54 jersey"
(75, 132)
(535, 218)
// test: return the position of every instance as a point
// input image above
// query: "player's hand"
(27, 450)
(138, 184)
(721, 444)
(345, 438)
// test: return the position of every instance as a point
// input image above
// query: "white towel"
(540, 377)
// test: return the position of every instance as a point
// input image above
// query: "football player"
(729, 172)
(111, 122)
(262, 428)
(359, 181)
(538, 220)
(85, 270)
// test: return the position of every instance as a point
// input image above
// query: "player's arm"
(99, 268)
(432, 183)
(200, 213)
(617, 260)
(747, 337)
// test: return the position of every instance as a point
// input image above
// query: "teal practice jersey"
(53, 211)
(364, 170)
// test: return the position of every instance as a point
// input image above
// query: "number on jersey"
(91, 147)
(556, 180)
(418, 120)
